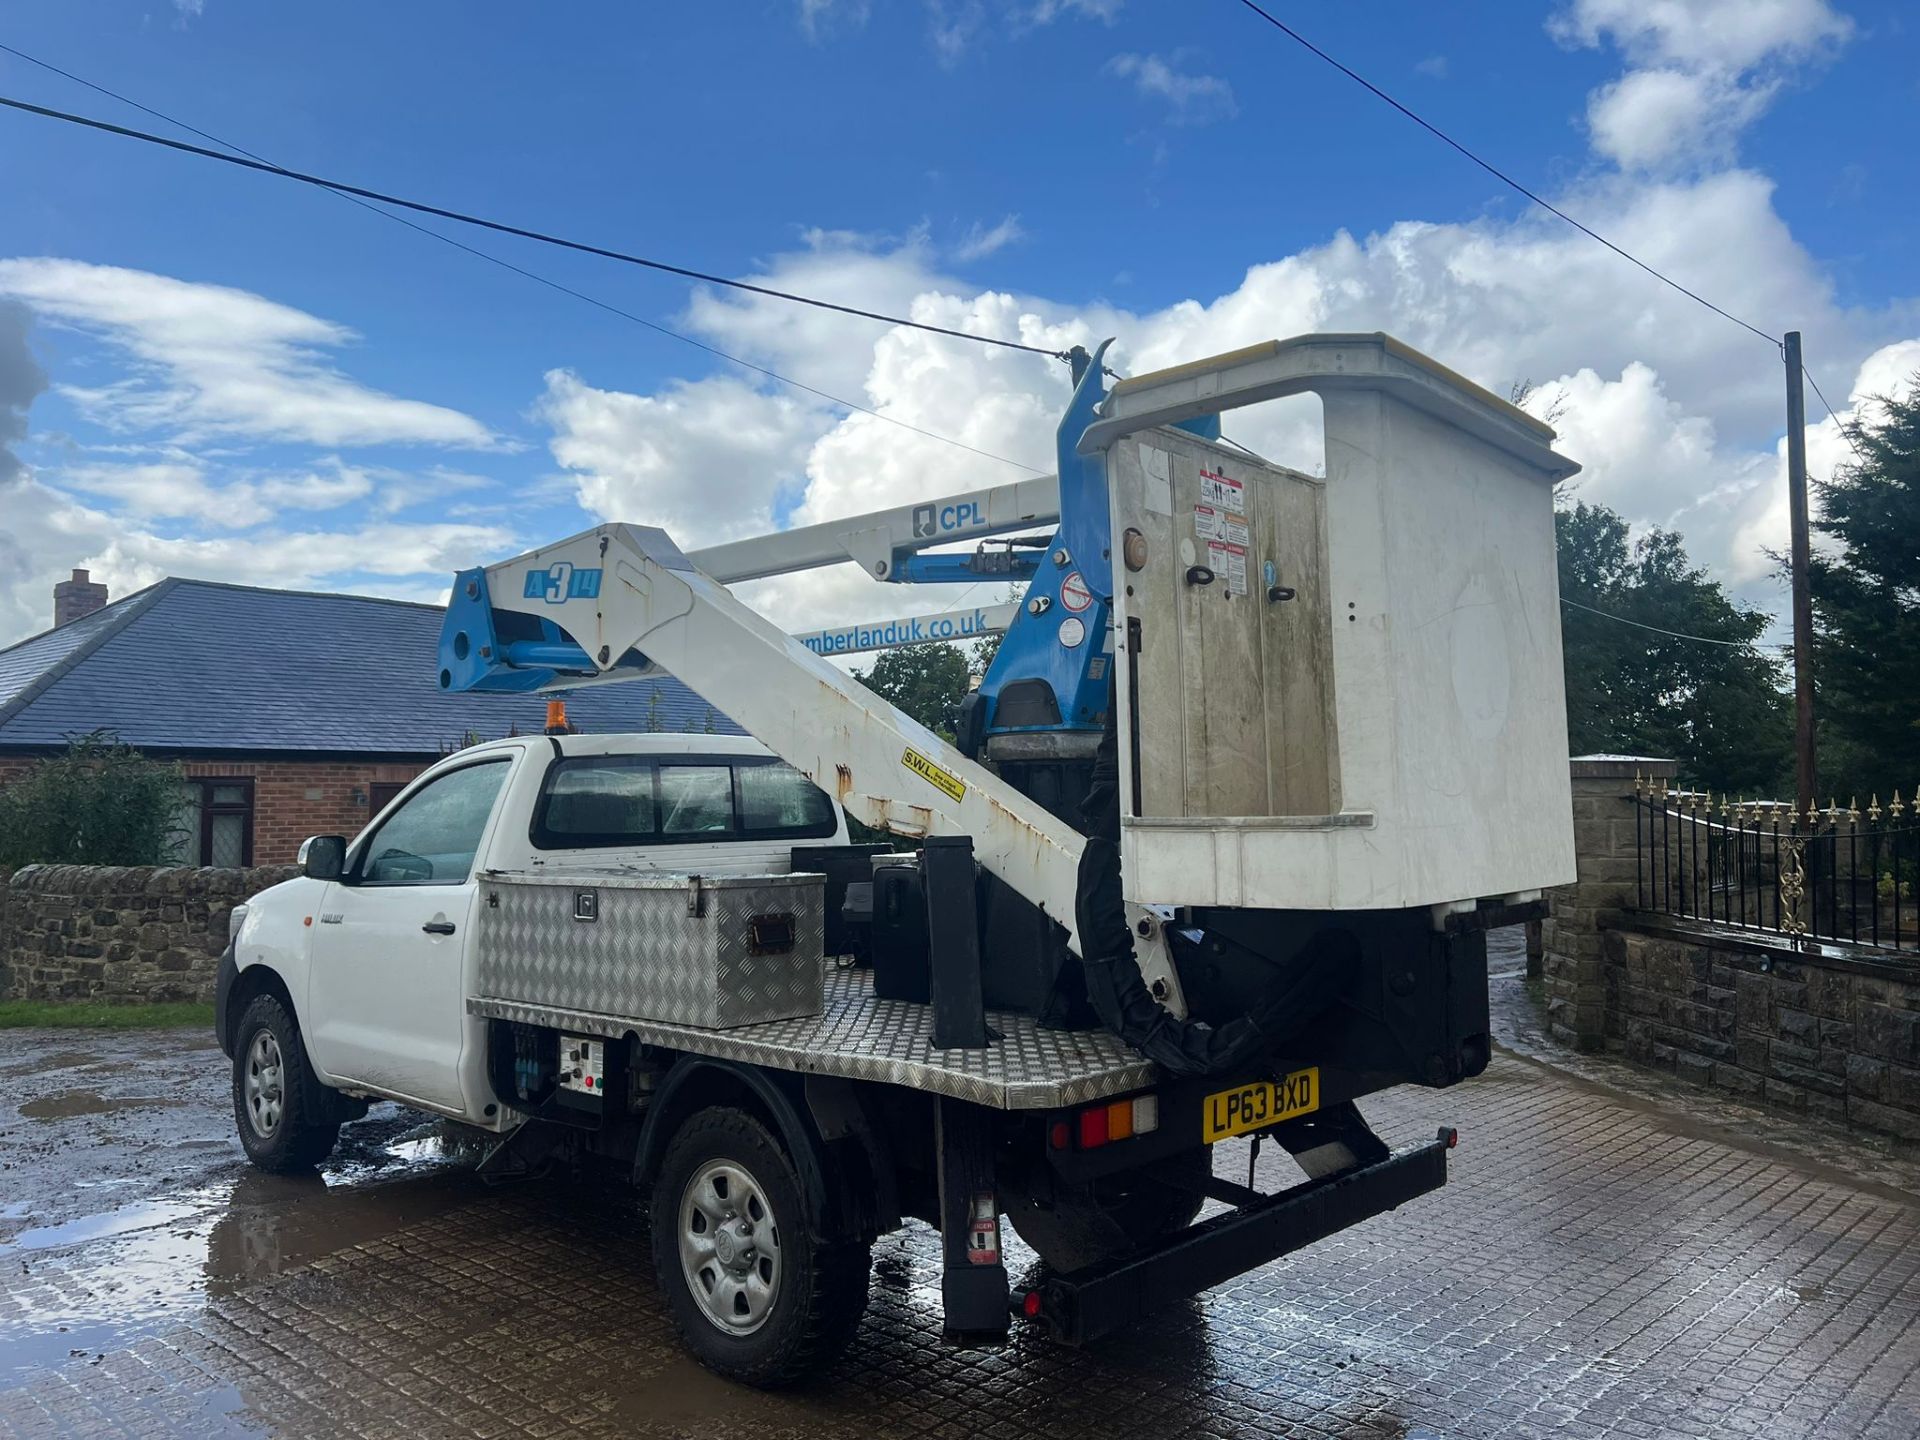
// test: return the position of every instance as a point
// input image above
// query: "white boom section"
(910, 630)
(873, 539)
(885, 767)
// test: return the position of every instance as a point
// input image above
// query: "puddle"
(58, 1060)
(91, 1102)
(152, 1264)
(276, 1223)
(141, 1215)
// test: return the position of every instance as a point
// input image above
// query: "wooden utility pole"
(1802, 592)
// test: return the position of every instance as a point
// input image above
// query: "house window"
(215, 826)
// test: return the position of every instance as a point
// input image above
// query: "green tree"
(1866, 608)
(1719, 709)
(927, 681)
(99, 803)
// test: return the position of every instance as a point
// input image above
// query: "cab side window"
(603, 802)
(432, 838)
(777, 800)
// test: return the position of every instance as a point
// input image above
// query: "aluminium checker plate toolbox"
(713, 951)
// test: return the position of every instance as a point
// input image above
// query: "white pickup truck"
(772, 1155)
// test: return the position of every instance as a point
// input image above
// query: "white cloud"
(982, 241)
(181, 487)
(1703, 70)
(48, 533)
(1434, 67)
(212, 361)
(1674, 412)
(1887, 374)
(1708, 34)
(954, 26)
(1190, 98)
(1045, 12)
(706, 459)
(817, 17)
(1648, 118)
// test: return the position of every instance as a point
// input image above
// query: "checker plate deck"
(863, 1038)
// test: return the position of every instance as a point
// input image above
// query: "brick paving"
(1605, 1262)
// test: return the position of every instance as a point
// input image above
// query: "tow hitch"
(1089, 1303)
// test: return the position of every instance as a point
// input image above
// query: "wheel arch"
(695, 1082)
(249, 985)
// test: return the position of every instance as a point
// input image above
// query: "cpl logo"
(927, 521)
(561, 582)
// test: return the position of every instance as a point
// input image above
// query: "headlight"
(234, 919)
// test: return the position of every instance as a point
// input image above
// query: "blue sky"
(249, 380)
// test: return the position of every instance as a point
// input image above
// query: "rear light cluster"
(1106, 1122)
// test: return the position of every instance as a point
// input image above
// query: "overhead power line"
(1502, 175)
(1671, 634)
(1839, 424)
(532, 275)
(341, 187)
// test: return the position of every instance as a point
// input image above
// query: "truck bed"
(861, 1037)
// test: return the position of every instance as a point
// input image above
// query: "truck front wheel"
(755, 1294)
(270, 1092)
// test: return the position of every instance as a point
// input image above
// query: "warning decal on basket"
(1229, 564)
(1234, 528)
(944, 781)
(1220, 491)
(1206, 523)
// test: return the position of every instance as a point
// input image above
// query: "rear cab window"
(606, 802)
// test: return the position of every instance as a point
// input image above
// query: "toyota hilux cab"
(359, 981)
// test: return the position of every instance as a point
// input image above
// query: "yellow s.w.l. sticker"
(943, 780)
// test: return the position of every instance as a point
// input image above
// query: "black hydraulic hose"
(1121, 998)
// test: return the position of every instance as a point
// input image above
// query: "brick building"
(291, 713)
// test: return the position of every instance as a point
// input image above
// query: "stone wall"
(292, 799)
(119, 935)
(1573, 958)
(1831, 1033)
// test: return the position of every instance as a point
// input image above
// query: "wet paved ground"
(1612, 1258)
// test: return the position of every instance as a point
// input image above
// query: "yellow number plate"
(1254, 1107)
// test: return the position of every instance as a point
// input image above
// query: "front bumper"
(1089, 1303)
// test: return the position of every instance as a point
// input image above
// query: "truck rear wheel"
(755, 1294)
(270, 1092)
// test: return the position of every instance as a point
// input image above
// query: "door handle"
(438, 927)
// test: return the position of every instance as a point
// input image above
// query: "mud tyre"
(271, 1091)
(756, 1296)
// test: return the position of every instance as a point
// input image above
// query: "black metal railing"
(1841, 874)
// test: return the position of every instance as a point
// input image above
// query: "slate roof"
(192, 665)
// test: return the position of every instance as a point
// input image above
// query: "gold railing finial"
(1873, 808)
(1896, 808)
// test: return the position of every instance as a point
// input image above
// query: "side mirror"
(323, 857)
